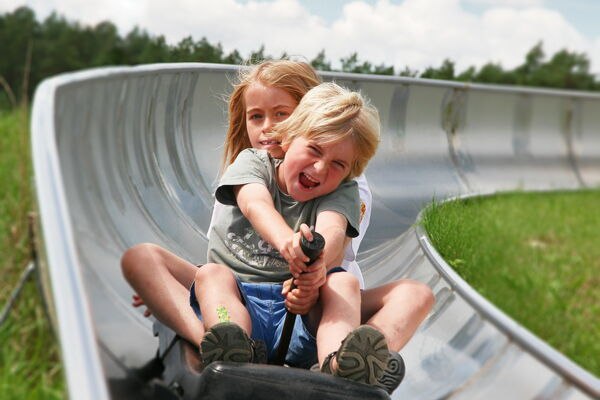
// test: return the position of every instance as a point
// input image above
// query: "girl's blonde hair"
(329, 114)
(295, 77)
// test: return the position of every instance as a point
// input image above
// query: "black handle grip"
(312, 250)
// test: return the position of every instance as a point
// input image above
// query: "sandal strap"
(326, 367)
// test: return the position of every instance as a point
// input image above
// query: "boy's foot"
(362, 357)
(226, 341)
(393, 374)
(260, 351)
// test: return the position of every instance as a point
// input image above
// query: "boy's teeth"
(307, 181)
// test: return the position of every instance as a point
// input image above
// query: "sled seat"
(184, 374)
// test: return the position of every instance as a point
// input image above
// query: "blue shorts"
(266, 307)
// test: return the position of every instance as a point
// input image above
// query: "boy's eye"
(314, 149)
(339, 165)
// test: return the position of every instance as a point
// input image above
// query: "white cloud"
(414, 33)
(506, 3)
(511, 33)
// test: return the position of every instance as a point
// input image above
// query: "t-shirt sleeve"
(346, 201)
(366, 200)
(250, 166)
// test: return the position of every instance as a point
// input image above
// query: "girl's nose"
(267, 124)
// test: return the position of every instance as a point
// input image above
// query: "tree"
(31, 51)
(17, 32)
(234, 58)
(140, 48)
(320, 63)
(533, 60)
(445, 71)
(409, 72)
(258, 55)
(351, 64)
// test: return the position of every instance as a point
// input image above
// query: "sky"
(402, 33)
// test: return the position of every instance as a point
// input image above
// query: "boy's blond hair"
(295, 77)
(329, 114)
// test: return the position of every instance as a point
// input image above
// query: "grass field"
(535, 256)
(30, 365)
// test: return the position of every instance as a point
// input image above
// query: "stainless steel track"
(130, 154)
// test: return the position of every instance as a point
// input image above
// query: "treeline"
(31, 51)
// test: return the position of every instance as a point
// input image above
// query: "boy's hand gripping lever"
(312, 250)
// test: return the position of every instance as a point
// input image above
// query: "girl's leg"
(218, 295)
(396, 309)
(163, 280)
(340, 308)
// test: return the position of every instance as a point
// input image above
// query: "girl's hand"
(137, 302)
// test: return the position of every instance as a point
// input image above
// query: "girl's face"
(265, 106)
(310, 170)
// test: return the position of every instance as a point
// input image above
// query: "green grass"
(535, 256)
(30, 366)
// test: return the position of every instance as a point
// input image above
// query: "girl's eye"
(281, 114)
(255, 116)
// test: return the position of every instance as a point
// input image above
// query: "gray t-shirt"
(234, 242)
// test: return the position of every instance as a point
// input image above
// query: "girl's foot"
(362, 357)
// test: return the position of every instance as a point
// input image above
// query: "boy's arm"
(255, 202)
(332, 225)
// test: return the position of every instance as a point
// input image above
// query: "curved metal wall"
(130, 154)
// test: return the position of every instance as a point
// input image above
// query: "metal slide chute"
(124, 155)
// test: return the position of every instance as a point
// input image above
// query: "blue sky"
(402, 33)
(584, 14)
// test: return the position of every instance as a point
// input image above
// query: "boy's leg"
(219, 297)
(163, 280)
(359, 353)
(396, 309)
(226, 319)
(340, 312)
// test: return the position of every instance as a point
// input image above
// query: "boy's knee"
(214, 272)
(343, 279)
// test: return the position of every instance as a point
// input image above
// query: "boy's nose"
(320, 166)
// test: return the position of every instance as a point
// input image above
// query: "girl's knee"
(422, 294)
(136, 258)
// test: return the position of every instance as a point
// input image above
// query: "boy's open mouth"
(307, 181)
